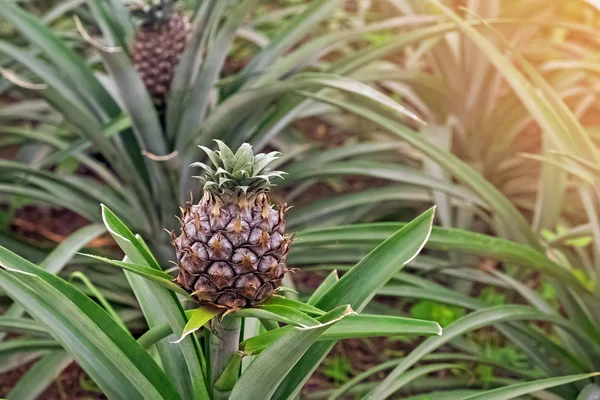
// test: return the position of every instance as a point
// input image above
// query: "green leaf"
(416, 373)
(358, 286)
(470, 322)
(511, 217)
(366, 325)
(184, 363)
(76, 147)
(78, 205)
(109, 354)
(353, 327)
(442, 313)
(199, 317)
(61, 255)
(261, 378)
(196, 99)
(80, 192)
(575, 310)
(76, 72)
(450, 239)
(154, 335)
(114, 21)
(238, 107)
(27, 345)
(288, 36)
(520, 389)
(594, 168)
(257, 343)
(352, 63)
(147, 128)
(537, 97)
(93, 290)
(64, 98)
(41, 375)
(337, 368)
(21, 325)
(389, 171)
(226, 155)
(61, 9)
(284, 301)
(208, 16)
(137, 102)
(162, 278)
(359, 88)
(285, 314)
(350, 151)
(327, 283)
(47, 74)
(316, 211)
(315, 48)
(226, 382)
(528, 340)
(125, 238)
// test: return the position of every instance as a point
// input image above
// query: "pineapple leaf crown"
(241, 173)
(151, 10)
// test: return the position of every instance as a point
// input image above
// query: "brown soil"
(67, 386)
(46, 226)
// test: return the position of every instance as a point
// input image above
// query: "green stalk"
(224, 343)
(226, 383)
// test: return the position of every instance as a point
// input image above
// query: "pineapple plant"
(284, 339)
(158, 44)
(141, 191)
(148, 149)
(232, 248)
(208, 365)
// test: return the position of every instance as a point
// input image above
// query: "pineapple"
(158, 45)
(232, 248)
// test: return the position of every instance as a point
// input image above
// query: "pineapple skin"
(157, 49)
(231, 252)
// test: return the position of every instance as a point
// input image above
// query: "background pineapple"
(158, 45)
(232, 248)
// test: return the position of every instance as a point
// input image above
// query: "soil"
(46, 227)
(66, 387)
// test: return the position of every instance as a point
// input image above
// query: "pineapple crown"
(151, 10)
(242, 173)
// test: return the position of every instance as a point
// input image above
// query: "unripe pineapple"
(158, 45)
(232, 248)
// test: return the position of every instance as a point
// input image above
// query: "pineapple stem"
(224, 343)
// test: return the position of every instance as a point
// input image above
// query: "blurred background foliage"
(486, 108)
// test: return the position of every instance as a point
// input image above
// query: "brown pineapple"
(158, 45)
(232, 248)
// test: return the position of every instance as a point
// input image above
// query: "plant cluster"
(125, 112)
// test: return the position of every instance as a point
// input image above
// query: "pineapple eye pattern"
(232, 247)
